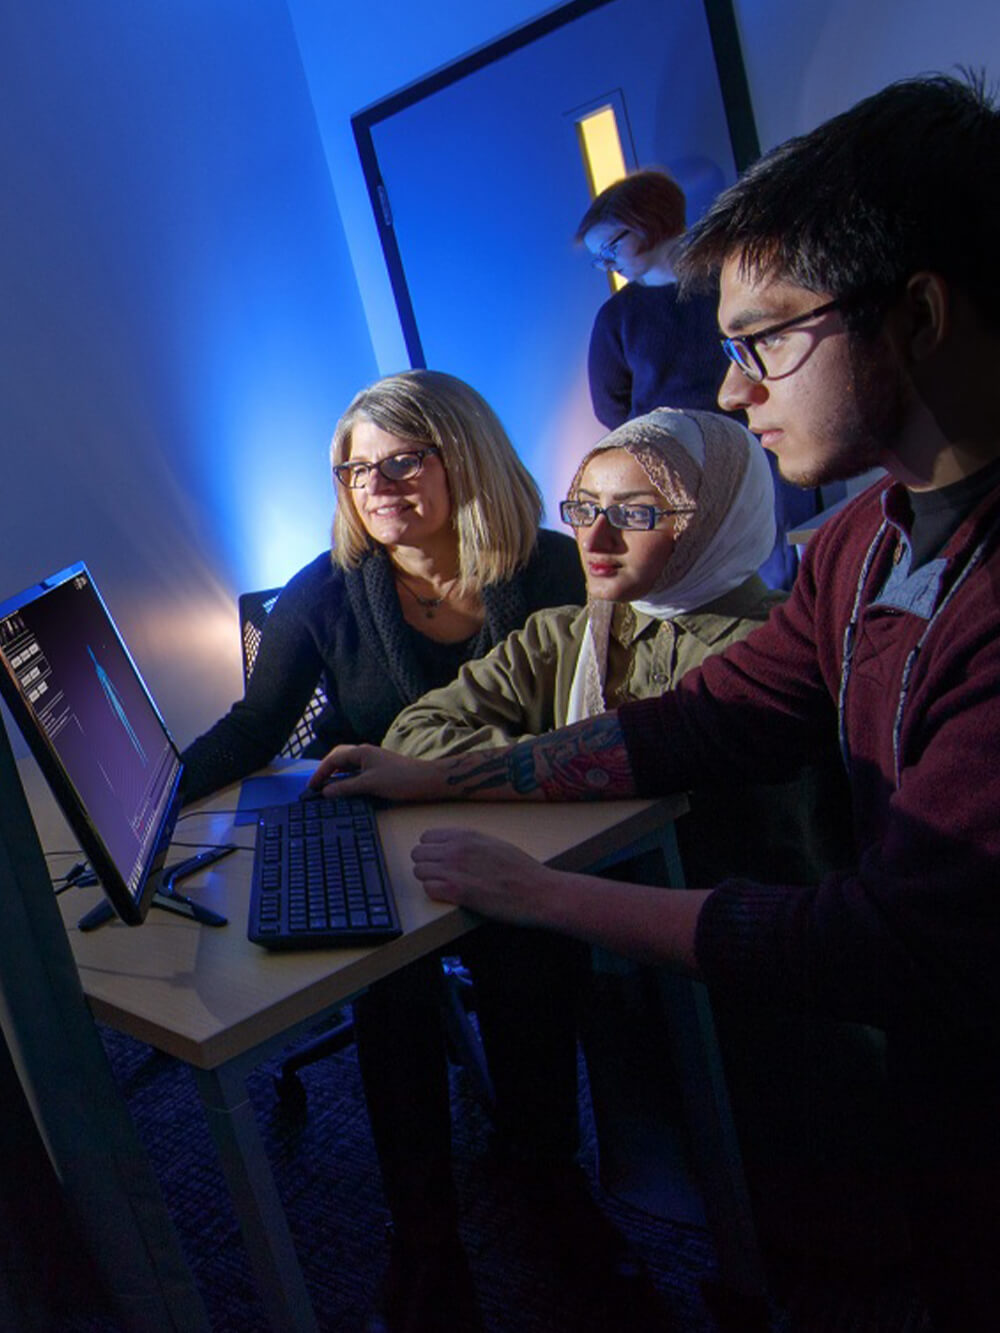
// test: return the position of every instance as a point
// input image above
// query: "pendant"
(429, 604)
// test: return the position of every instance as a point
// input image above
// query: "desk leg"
(718, 1162)
(262, 1218)
(715, 1148)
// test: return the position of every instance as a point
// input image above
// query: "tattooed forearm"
(512, 770)
(583, 762)
(586, 762)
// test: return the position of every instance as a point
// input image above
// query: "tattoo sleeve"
(583, 762)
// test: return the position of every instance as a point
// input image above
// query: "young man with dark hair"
(860, 303)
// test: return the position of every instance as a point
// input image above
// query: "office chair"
(254, 609)
(464, 1047)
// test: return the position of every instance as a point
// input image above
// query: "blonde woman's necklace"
(429, 604)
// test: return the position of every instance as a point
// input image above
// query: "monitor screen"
(95, 731)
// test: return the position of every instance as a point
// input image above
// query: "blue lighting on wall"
(183, 322)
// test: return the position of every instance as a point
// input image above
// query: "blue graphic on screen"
(111, 694)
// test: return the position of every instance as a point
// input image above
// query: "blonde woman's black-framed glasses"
(397, 467)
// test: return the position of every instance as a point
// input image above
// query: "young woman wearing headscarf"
(673, 514)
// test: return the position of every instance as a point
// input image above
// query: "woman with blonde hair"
(437, 555)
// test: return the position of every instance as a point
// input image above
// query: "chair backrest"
(254, 608)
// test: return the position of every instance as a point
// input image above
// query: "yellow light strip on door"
(601, 146)
(603, 159)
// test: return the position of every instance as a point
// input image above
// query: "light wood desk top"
(801, 536)
(208, 995)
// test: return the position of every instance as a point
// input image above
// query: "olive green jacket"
(522, 687)
(786, 832)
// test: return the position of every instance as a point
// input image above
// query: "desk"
(221, 1004)
(801, 536)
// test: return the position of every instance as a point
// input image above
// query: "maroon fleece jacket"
(907, 940)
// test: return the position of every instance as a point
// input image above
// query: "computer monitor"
(93, 727)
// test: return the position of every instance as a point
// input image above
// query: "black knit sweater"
(649, 349)
(347, 629)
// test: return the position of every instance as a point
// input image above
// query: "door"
(479, 184)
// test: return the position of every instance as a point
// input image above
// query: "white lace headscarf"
(691, 458)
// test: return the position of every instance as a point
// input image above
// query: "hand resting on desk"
(484, 873)
(487, 875)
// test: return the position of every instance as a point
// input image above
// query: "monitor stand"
(167, 897)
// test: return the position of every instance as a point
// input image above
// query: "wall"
(353, 56)
(808, 59)
(181, 325)
(845, 51)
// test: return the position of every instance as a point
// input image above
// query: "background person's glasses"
(606, 255)
(742, 351)
(397, 467)
(641, 518)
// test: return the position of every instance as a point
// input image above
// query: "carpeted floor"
(325, 1169)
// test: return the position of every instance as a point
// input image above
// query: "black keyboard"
(319, 877)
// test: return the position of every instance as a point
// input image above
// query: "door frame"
(733, 86)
